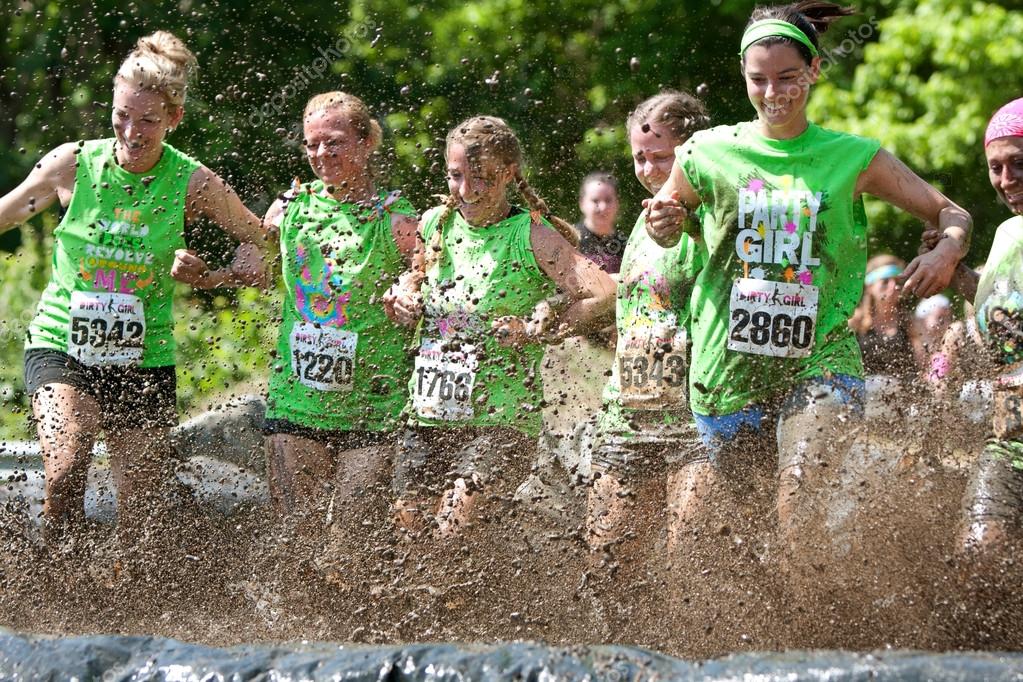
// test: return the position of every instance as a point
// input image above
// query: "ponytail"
(812, 17)
(433, 250)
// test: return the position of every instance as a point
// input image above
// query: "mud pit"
(880, 571)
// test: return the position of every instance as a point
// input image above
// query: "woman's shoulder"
(182, 158)
(828, 135)
(1010, 229)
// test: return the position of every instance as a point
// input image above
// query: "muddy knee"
(992, 510)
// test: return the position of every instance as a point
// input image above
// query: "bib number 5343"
(772, 318)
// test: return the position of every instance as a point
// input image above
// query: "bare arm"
(588, 289)
(889, 179)
(404, 229)
(212, 198)
(52, 178)
(669, 211)
(403, 303)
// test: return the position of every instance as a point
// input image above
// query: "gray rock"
(222, 463)
(232, 432)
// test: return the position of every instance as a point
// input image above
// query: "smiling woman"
(103, 330)
(778, 204)
(480, 284)
(338, 384)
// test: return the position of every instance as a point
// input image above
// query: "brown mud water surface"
(877, 569)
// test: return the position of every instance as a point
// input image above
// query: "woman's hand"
(403, 303)
(511, 331)
(665, 218)
(249, 266)
(929, 239)
(190, 269)
(517, 331)
(931, 272)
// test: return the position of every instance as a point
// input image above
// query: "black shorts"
(335, 439)
(129, 397)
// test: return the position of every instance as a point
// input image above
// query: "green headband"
(766, 28)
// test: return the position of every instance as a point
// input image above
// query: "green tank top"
(648, 378)
(341, 363)
(786, 243)
(462, 375)
(110, 292)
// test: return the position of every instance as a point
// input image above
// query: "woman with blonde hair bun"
(100, 352)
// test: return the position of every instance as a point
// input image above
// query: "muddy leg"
(301, 473)
(457, 505)
(814, 438)
(993, 503)
(688, 489)
(142, 464)
(606, 510)
(67, 421)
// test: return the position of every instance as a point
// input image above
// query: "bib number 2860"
(772, 318)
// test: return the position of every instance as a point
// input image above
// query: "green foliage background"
(921, 76)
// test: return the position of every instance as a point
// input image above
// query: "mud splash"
(879, 571)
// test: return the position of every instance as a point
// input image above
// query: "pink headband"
(1007, 122)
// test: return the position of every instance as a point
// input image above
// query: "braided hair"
(491, 137)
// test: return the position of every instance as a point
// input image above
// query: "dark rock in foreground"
(132, 658)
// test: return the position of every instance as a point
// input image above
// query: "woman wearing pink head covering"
(993, 508)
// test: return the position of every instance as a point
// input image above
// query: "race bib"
(443, 381)
(105, 328)
(772, 318)
(652, 368)
(323, 357)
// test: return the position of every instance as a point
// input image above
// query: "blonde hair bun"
(160, 61)
(353, 108)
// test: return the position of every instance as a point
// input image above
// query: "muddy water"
(876, 568)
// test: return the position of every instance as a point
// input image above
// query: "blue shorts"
(718, 432)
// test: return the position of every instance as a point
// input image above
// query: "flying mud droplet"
(634, 64)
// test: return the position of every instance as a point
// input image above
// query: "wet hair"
(676, 110)
(162, 63)
(809, 16)
(353, 108)
(865, 310)
(490, 137)
(601, 177)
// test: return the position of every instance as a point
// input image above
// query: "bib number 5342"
(106, 328)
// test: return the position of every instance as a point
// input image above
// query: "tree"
(927, 88)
